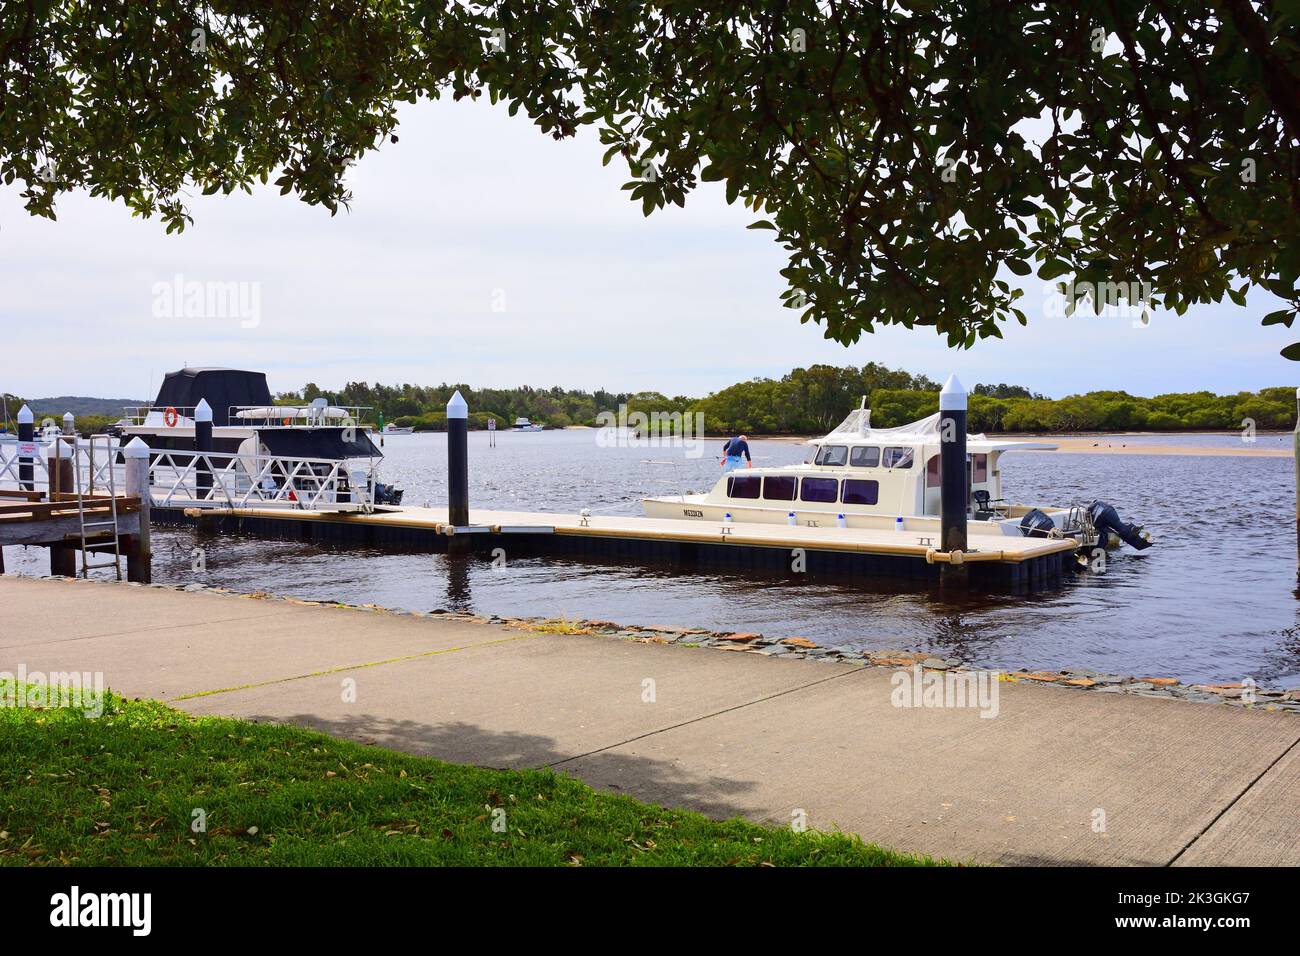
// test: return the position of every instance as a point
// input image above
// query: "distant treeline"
(813, 400)
(804, 402)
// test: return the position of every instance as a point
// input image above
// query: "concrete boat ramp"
(1054, 778)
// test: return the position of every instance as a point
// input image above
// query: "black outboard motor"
(1106, 518)
(387, 494)
(1035, 524)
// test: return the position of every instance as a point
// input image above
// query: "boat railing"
(311, 415)
(140, 415)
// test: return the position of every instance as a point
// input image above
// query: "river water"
(1214, 600)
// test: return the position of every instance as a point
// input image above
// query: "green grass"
(121, 789)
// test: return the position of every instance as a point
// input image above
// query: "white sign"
(492, 424)
(27, 449)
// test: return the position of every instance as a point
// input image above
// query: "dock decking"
(1003, 562)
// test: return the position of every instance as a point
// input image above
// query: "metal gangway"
(228, 481)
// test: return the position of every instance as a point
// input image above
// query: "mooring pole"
(953, 489)
(69, 424)
(139, 552)
(63, 557)
(203, 446)
(26, 435)
(458, 469)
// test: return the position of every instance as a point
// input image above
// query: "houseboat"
(246, 423)
(858, 476)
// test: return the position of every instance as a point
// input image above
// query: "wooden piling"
(63, 557)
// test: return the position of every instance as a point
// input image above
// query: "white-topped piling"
(954, 486)
(457, 461)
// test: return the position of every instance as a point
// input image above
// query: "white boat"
(524, 425)
(889, 478)
(391, 429)
(248, 425)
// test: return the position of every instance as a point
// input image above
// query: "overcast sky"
(480, 250)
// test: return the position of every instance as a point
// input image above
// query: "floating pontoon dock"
(1000, 562)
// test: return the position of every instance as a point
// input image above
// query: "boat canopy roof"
(221, 387)
(856, 429)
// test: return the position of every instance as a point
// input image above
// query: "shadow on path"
(458, 742)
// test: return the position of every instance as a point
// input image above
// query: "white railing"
(187, 479)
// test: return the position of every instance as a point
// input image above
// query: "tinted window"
(779, 487)
(898, 458)
(865, 457)
(979, 468)
(743, 486)
(833, 455)
(859, 491)
(819, 489)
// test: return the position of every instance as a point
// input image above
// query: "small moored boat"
(858, 476)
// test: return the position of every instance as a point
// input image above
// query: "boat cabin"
(865, 470)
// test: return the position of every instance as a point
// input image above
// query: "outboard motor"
(387, 494)
(1106, 519)
(1035, 524)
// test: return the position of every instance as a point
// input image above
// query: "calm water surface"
(1215, 599)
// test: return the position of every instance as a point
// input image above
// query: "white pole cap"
(953, 396)
(68, 417)
(456, 407)
(203, 411)
(60, 449)
(136, 448)
(25, 416)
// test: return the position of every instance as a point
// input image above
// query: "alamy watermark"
(73, 690)
(193, 299)
(626, 429)
(943, 689)
(1124, 300)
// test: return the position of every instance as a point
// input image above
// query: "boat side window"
(743, 486)
(833, 455)
(811, 457)
(861, 491)
(865, 457)
(779, 487)
(979, 468)
(932, 472)
(898, 457)
(819, 489)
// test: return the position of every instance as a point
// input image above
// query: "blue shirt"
(735, 448)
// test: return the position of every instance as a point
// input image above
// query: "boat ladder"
(91, 537)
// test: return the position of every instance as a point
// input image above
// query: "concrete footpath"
(1057, 777)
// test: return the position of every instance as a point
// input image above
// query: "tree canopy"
(904, 153)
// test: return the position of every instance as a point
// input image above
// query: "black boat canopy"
(222, 387)
(327, 442)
